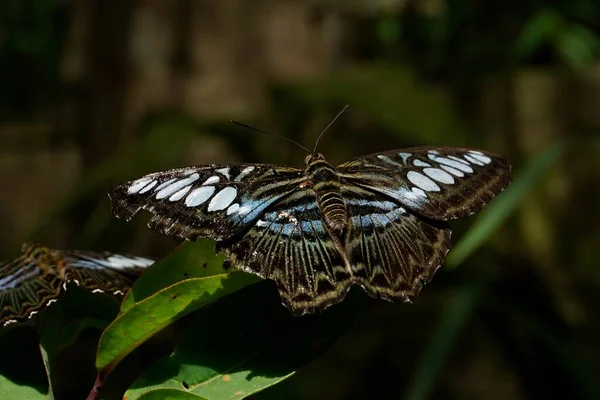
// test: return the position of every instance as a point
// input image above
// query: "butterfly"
(40, 275)
(378, 221)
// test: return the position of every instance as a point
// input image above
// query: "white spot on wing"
(419, 163)
(388, 160)
(165, 183)
(174, 187)
(179, 195)
(243, 210)
(224, 171)
(120, 262)
(473, 160)
(480, 156)
(148, 187)
(419, 193)
(138, 185)
(454, 164)
(460, 160)
(222, 199)
(233, 209)
(211, 180)
(405, 156)
(439, 175)
(260, 223)
(244, 172)
(453, 171)
(422, 181)
(199, 196)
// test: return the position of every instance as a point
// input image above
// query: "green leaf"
(11, 390)
(46, 360)
(152, 314)
(504, 205)
(246, 343)
(169, 394)
(190, 260)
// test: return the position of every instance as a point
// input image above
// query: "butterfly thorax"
(326, 184)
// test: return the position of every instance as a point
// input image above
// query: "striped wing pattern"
(39, 277)
(378, 221)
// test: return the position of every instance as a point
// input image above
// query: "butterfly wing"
(290, 244)
(37, 278)
(438, 183)
(102, 271)
(393, 252)
(215, 201)
(25, 288)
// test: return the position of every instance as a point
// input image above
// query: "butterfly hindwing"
(393, 251)
(438, 183)
(25, 288)
(290, 244)
(217, 200)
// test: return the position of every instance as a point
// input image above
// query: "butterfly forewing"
(216, 201)
(39, 277)
(438, 183)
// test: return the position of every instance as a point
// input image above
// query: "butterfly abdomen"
(327, 186)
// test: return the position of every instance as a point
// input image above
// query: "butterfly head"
(313, 158)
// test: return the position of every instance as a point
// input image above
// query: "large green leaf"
(244, 344)
(155, 311)
(11, 390)
(190, 260)
(153, 314)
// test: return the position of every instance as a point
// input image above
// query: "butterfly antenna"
(270, 134)
(328, 126)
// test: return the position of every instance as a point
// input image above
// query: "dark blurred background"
(94, 92)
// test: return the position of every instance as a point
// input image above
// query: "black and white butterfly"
(377, 221)
(40, 275)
